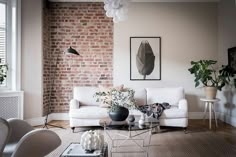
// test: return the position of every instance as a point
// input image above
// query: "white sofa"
(85, 111)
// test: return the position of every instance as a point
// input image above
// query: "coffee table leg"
(149, 141)
(109, 153)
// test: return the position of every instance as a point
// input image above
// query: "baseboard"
(227, 118)
(196, 115)
(192, 115)
(222, 116)
(200, 115)
(53, 116)
(36, 121)
(59, 116)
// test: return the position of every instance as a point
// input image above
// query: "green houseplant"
(213, 79)
(3, 72)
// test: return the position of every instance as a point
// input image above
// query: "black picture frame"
(143, 67)
(232, 58)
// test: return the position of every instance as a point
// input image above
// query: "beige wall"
(227, 39)
(188, 32)
(32, 57)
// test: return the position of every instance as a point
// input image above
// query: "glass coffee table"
(135, 134)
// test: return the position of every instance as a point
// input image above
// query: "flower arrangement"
(116, 98)
(123, 98)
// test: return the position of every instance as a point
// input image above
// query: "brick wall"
(85, 27)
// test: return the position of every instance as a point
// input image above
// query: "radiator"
(11, 105)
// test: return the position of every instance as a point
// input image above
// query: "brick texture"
(84, 27)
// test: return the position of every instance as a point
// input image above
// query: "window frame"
(6, 42)
(13, 54)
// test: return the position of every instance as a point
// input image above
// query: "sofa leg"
(185, 130)
(73, 129)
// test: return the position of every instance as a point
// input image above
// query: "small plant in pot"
(212, 79)
(3, 72)
(120, 101)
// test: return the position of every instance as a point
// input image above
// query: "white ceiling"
(137, 0)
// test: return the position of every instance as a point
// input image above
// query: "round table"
(211, 104)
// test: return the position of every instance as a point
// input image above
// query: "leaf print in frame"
(145, 58)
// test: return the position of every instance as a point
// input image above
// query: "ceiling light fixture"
(117, 9)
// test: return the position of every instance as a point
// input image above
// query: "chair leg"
(73, 129)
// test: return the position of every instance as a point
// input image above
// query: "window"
(3, 39)
(10, 42)
(2, 33)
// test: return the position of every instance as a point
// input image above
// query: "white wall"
(188, 32)
(227, 39)
(32, 58)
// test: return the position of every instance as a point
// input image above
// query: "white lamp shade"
(117, 9)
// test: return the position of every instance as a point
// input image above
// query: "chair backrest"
(37, 143)
(18, 129)
(4, 134)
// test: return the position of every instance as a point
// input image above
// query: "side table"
(211, 104)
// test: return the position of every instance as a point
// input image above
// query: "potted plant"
(212, 79)
(3, 72)
(120, 101)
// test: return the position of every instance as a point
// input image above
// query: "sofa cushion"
(140, 96)
(92, 112)
(169, 95)
(85, 95)
(173, 113)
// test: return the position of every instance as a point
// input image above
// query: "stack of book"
(76, 150)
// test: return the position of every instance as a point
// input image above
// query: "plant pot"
(210, 92)
(120, 114)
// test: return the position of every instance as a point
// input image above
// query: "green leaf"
(205, 74)
(197, 84)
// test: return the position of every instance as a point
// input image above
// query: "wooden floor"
(228, 131)
(199, 141)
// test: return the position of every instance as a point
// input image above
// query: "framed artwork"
(145, 58)
(232, 58)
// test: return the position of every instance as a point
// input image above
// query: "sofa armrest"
(74, 104)
(183, 104)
